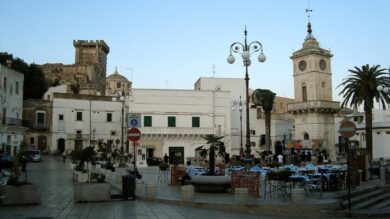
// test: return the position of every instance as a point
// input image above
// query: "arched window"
(304, 92)
(306, 136)
(118, 85)
(322, 84)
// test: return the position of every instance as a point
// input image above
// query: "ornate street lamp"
(246, 50)
(382, 88)
(121, 98)
(240, 108)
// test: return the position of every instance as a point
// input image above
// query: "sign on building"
(133, 119)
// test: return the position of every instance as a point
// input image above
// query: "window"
(253, 132)
(79, 116)
(253, 144)
(32, 140)
(118, 85)
(60, 117)
(196, 122)
(147, 121)
(5, 85)
(109, 117)
(171, 121)
(4, 115)
(40, 118)
(304, 92)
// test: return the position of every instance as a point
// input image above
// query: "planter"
(92, 192)
(82, 177)
(205, 183)
(20, 195)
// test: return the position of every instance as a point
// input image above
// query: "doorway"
(61, 145)
(176, 155)
(42, 142)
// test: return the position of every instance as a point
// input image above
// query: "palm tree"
(215, 144)
(361, 88)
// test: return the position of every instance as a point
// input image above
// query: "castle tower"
(93, 53)
(313, 108)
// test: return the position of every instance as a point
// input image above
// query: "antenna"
(131, 73)
(167, 83)
(213, 71)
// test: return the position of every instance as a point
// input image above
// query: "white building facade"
(83, 120)
(11, 104)
(174, 121)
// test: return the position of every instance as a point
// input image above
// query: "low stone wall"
(218, 183)
(92, 192)
(20, 195)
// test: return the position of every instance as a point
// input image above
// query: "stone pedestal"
(298, 195)
(187, 193)
(241, 196)
(92, 192)
(20, 195)
(150, 190)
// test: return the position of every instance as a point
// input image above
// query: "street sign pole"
(134, 135)
(347, 130)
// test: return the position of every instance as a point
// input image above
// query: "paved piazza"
(56, 183)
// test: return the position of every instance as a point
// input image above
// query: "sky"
(171, 43)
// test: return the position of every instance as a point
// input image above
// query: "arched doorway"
(60, 145)
(306, 136)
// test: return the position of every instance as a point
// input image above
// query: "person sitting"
(190, 171)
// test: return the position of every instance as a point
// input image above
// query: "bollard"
(187, 193)
(298, 195)
(382, 171)
(241, 196)
(150, 190)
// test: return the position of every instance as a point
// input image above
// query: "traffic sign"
(347, 129)
(134, 134)
(134, 119)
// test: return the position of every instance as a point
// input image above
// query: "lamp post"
(240, 108)
(119, 97)
(382, 88)
(246, 50)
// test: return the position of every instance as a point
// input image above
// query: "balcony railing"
(314, 105)
(176, 131)
(40, 126)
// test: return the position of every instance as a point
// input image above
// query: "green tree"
(215, 145)
(360, 87)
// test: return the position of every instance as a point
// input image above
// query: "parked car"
(153, 161)
(6, 162)
(32, 155)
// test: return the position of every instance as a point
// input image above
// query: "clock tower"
(313, 108)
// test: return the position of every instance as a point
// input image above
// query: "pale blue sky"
(171, 43)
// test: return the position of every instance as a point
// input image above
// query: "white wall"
(11, 103)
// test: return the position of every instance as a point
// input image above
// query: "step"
(383, 204)
(355, 193)
(372, 201)
(361, 197)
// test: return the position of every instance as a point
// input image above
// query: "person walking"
(64, 156)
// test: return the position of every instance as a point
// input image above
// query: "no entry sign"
(347, 129)
(134, 134)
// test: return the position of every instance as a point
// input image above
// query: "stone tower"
(313, 108)
(88, 72)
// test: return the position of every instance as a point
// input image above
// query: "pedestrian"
(23, 163)
(280, 159)
(166, 158)
(64, 156)
(190, 171)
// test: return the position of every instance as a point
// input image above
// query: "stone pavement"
(55, 179)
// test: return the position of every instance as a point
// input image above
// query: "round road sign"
(134, 134)
(347, 129)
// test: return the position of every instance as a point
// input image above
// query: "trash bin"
(128, 187)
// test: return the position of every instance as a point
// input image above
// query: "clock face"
(322, 64)
(302, 65)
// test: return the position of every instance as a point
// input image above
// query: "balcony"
(13, 121)
(314, 106)
(40, 126)
(78, 136)
(175, 131)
